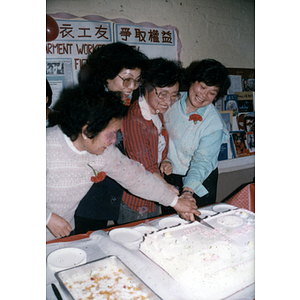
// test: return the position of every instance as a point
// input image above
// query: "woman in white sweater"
(82, 146)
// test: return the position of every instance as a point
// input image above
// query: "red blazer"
(140, 139)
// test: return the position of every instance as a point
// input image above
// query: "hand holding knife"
(193, 217)
(198, 219)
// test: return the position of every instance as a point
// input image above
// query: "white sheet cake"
(211, 263)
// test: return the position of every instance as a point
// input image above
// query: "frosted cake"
(210, 263)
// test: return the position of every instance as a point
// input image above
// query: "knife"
(198, 219)
(56, 291)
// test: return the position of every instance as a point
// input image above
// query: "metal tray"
(104, 262)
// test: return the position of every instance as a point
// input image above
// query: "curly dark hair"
(48, 93)
(212, 73)
(88, 105)
(163, 73)
(107, 61)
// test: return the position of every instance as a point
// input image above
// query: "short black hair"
(212, 73)
(163, 73)
(48, 93)
(106, 62)
(88, 105)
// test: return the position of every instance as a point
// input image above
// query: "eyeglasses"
(129, 81)
(165, 95)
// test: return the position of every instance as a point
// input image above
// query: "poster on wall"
(67, 53)
(78, 37)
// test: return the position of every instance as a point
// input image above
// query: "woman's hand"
(166, 167)
(58, 226)
(186, 207)
(187, 216)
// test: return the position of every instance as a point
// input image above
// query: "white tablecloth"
(99, 245)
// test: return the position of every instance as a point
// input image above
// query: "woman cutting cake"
(115, 67)
(197, 131)
(144, 134)
(80, 151)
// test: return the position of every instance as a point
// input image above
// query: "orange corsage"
(99, 176)
(164, 131)
(195, 118)
(127, 102)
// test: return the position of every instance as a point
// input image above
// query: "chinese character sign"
(153, 41)
(68, 52)
(78, 38)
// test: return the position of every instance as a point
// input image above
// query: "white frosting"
(230, 221)
(211, 263)
(106, 283)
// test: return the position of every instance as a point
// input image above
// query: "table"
(98, 244)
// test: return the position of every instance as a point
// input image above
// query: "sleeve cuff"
(174, 202)
(48, 218)
(196, 186)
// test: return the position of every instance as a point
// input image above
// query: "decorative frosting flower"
(99, 176)
(195, 118)
(127, 102)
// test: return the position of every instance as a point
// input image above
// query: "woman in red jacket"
(144, 135)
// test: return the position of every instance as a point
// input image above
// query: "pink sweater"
(69, 177)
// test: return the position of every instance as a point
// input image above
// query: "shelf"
(236, 164)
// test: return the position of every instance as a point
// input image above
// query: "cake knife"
(198, 219)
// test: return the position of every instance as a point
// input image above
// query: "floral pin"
(195, 118)
(163, 131)
(99, 176)
(127, 102)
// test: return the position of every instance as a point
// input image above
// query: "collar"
(200, 111)
(71, 145)
(145, 110)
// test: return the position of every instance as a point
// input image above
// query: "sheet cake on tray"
(106, 278)
(211, 263)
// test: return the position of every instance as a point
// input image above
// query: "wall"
(219, 29)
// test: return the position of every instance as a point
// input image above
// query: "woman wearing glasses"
(196, 132)
(144, 134)
(119, 68)
(82, 144)
(116, 67)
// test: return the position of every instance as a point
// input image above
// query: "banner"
(78, 37)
